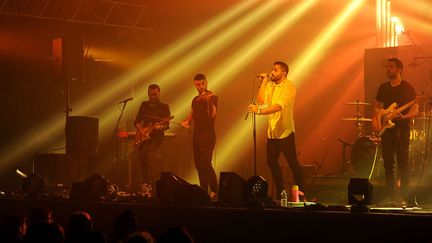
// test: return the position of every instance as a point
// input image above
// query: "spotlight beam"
(317, 49)
(201, 54)
(228, 152)
(218, 43)
(53, 126)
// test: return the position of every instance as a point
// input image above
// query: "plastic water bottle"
(295, 194)
(284, 198)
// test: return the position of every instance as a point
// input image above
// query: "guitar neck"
(406, 106)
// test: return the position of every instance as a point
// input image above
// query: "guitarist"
(395, 140)
(150, 149)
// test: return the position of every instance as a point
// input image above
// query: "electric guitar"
(143, 134)
(383, 118)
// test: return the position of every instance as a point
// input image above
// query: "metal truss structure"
(119, 14)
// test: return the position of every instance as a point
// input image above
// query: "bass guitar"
(143, 134)
(384, 117)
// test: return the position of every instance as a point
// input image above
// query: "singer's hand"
(253, 108)
(263, 75)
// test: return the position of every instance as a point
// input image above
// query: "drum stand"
(358, 120)
(346, 164)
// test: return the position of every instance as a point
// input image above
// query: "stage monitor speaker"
(68, 61)
(360, 191)
(232, 189)
(171, 189)
(82, 135)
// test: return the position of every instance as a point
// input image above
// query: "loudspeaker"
(360, 191)
(82, 135)
(232, 189)
(68, 63)
(171, 189)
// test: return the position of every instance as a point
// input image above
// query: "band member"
(278, 93)
(151, 121)
(203, 114)
(395, 140)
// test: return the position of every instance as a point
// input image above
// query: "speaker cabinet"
(231, 189)
(172, 189)
(82, 135)
(68, 62)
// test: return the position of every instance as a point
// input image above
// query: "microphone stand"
(254, 132)
(116, 137)
(345, 167)
(254, 139)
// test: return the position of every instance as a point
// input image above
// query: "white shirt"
(281, 123)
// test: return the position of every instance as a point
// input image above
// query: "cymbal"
(358, 102)
(357, 119)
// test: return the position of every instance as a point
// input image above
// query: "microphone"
(126, 100)
(263, 75)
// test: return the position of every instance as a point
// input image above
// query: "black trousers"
(288, 148)
(150, 157)
(203, 146)
(395, 149)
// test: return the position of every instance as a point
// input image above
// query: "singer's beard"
(275, 79)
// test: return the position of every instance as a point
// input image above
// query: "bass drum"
(362, 157)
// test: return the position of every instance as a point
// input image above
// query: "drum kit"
(418, 139)
(365, 148)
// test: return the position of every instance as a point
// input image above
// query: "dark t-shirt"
(401, 94)
(148, 111)
(203, 122)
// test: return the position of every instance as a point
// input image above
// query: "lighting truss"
(109, 13)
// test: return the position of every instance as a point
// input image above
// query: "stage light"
(257, 192)
(20, 173)
(398, 26)
(359, 194)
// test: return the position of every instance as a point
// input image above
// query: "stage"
(215, 223)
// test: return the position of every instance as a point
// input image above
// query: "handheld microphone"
(126, 100)
(263, 75)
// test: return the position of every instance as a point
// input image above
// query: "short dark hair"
(199, 76)
(153, 86)
(283, 66)
(396, 61)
